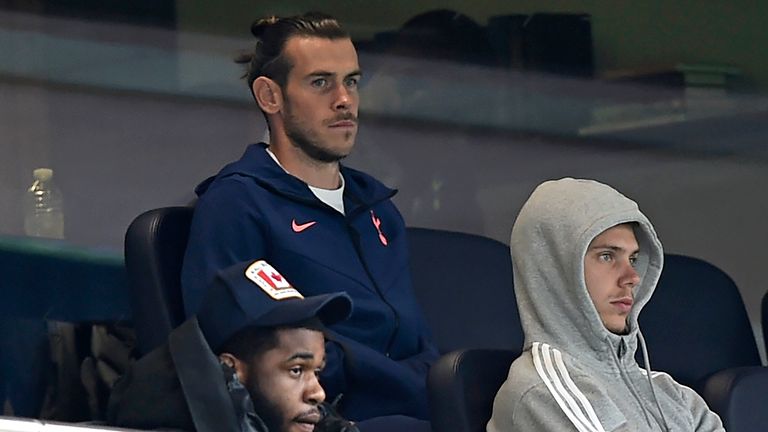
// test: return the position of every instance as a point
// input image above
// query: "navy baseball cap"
(254, 294)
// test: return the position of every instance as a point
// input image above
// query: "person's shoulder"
(522, 378)
(539, 394)
(226, 201)
(546, 358)
(226, 186)
(238, 182)
(520, 397)
(253, 164)
(254, 160)
(532, 372)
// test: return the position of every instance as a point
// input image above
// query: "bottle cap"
(42, 174)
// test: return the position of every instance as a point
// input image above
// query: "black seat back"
(154, 250)
(464, 285)
(764, 320)
(462, 386)
(696, 324)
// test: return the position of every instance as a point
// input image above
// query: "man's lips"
(311, 417)
(343, 124)
(623, 304)
(345, 120)
(306, 427)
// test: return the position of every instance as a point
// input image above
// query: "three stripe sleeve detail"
(575, 405)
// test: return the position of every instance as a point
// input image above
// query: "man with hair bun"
(325, 226)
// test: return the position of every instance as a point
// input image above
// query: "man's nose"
(630, 276)
(343, 99)
(314, 393)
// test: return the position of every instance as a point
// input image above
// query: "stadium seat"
(154, 250)
(464, 285)
(462, 386)
(764, 320)
(698, 331)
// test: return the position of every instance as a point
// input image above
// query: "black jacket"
(178, 386)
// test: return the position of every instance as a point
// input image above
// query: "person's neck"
(324, 175)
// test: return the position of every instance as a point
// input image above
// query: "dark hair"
(251, 342)
(272, 33)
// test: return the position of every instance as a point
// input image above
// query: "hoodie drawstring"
(627, 382)
(647, 364)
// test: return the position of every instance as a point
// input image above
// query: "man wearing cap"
(249, 361)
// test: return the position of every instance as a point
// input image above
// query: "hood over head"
(548, 245)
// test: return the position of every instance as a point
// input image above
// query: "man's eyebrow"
(322, 73)
(301, 356)
(611, 247)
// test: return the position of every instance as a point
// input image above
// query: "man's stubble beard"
(307, 141)
(265, 409)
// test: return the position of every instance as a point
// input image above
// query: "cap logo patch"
(271, 281)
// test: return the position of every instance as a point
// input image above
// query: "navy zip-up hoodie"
(253, 209)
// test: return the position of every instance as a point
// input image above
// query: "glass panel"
(464, 110)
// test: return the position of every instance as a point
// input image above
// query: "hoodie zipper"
(396, 317)
(628, 382)
(355, 237)
(361, 208)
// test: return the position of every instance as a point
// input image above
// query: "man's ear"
(234, 363)
(268, 94)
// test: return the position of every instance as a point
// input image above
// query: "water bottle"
(43, 211)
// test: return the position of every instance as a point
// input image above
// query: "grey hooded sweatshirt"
(574, 374)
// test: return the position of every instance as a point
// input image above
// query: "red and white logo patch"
(271, 281)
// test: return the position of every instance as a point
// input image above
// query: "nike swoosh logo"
(297, 228)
